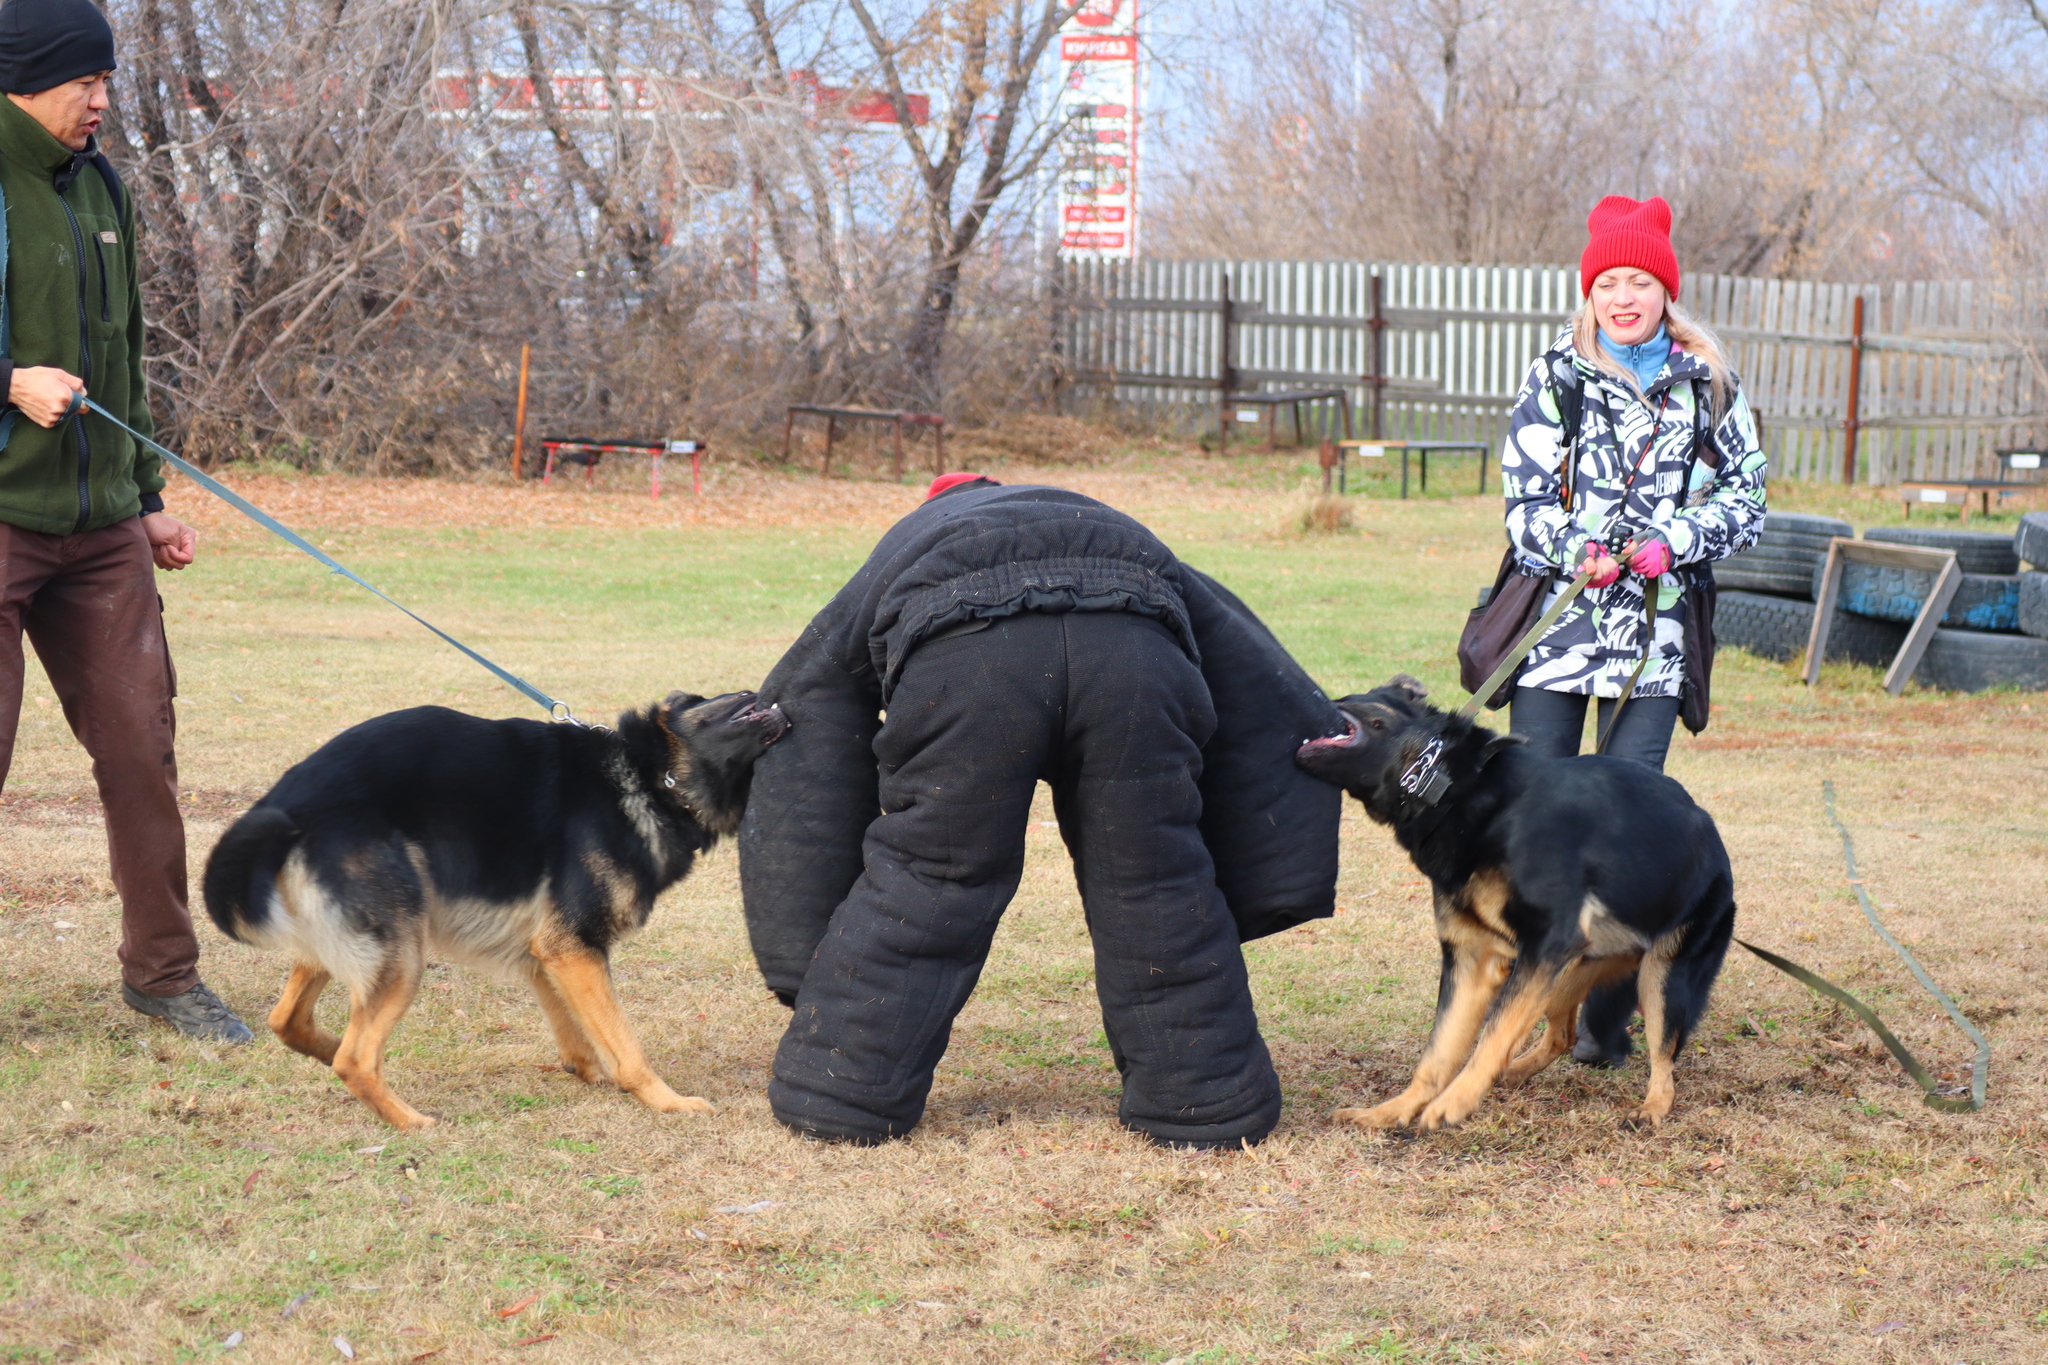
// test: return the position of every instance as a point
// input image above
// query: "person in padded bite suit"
(1013, 635)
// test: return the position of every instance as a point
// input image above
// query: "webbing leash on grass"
(1980, 1072)
(557, 710)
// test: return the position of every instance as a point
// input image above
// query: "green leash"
(1980, 1073)
(557, 710)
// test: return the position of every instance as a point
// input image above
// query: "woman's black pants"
(1553, 723)
(1107, 708)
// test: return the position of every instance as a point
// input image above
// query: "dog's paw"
(1646, 1120)
(1442, 1113)
(660, 1098)
(1389, 1115)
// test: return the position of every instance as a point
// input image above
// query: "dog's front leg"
(1526, 1000)
(1474, 971)
(583, 978)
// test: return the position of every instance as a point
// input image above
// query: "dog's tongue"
(1344, 741)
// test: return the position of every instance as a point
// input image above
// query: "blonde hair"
(1694, 337)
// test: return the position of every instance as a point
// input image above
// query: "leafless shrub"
(1858, 139)
(356, 212)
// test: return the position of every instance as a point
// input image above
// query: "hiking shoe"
(198, 1013)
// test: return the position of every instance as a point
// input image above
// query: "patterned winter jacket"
(1707, 509)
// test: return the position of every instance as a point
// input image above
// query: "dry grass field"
(162, 1199)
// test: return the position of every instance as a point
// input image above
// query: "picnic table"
(1336, 455)
(1272, 401)
(589, 452)
(1957, 491)
(898, 418)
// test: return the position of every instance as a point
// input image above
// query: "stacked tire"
(1980, 642)
(1766, 595)
(1787, 553)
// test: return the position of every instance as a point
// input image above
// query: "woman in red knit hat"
(1631, 454)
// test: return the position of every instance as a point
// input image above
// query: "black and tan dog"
(1551, 876)
(512, 845)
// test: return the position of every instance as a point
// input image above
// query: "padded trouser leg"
(1176, 1001)
(1109, 709)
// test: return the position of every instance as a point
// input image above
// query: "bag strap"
(1571, 406)
(6, 321)
(113, 179)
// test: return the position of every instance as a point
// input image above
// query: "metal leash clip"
(1423, 779)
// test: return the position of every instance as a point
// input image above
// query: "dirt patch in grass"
(160, 1196)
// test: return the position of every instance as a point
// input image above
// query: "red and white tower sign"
(1098, 112)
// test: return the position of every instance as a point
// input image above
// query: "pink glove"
(1603, 567)
(1652, 558)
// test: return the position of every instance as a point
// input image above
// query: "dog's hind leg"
(292, 1019)
(1559, 1029)
(373, 1012)
(1473, 976)
(579, 1058)
(584, 980)
(1659, 1038)
(1674, 983)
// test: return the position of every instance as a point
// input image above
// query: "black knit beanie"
(44, 43)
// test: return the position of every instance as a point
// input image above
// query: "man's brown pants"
(88, 604)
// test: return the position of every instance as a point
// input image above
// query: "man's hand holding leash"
(44, 393)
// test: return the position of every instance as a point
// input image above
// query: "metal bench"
(590, 453)
(896, 417)
(1336, 456)
(1274, 400)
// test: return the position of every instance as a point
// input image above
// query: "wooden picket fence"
(1951, 371)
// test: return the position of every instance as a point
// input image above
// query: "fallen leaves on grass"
(250, 1183)
(520, 1307)
(535, 1341)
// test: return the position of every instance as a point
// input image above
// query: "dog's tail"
(241, 872)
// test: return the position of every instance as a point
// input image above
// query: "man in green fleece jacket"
(82, 522)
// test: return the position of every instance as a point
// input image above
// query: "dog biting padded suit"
(1014, 635)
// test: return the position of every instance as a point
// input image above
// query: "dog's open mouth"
(1332, 743)
(772, 723)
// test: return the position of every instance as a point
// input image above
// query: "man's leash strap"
(1522, 647)
(1980, 1070)
(555, 709)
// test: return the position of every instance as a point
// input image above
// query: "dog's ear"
(1409, 687)
(672, 708)
(1497, 745)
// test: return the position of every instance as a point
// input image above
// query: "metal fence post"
(1854, 414)
(519, 421)
(1377, 324)
(1225, 379)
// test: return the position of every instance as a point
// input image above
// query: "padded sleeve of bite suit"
(813, 798)
(1270, 827)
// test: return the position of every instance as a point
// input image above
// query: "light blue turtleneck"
(1645, 361)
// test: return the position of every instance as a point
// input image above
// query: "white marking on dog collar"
(668, 780)
(1422, 779)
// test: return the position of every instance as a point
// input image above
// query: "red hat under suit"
(1629, 232)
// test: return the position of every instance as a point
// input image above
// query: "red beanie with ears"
(1629, 232)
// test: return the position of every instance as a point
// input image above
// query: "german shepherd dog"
(1551, 877)
(517, 846)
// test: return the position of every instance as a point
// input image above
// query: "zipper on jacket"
(100, 254)
(84, 372)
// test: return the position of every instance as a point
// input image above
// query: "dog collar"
(1425, 779)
